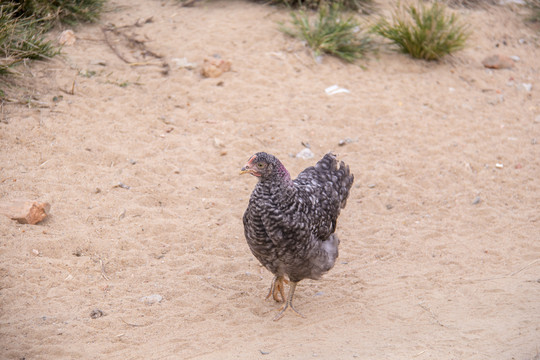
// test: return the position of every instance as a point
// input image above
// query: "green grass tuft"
(426, 32)
(21, 38)
(330, 33)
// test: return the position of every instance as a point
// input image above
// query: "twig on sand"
(87, 38)
(510, 274)
(133, 42)
(424, 307)
(103, 273)
(29, 102)
(523, 268)
(188, 3)
(301, 61)
(113, 48)
(135, 325)
(69, 92)
(3, 117)
(144, 63)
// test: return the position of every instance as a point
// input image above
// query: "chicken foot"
(288, 305)
(277, 288)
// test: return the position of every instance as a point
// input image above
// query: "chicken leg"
(276, 288)
(288, 305)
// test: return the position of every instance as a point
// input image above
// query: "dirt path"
(440, 251)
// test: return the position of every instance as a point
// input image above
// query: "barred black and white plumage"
(290, 224)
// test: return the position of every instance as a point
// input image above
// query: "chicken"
(290, 225)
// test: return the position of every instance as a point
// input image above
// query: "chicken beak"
(248, 169)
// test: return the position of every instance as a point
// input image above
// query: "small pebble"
(477, 200)
(96, 313)
(263, 352)
(499, 166)
(305, 154)
(151, 299)
(346, 141)
(183, 63)
(527, 87)
(218, 143)
(122, 185)
(67, 37)
(371, 186)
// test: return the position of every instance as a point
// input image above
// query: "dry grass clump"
(355, 5)
(21, 38)
(471, 3)
(69, 12)
(534, 8)
(24, 22)
(331, 33)
(426, 32)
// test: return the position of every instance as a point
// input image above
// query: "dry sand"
(425, 271)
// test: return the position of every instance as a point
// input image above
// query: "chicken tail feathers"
(341, 176)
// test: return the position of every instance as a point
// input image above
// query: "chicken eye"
(260, 165)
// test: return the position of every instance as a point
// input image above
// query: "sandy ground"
(440, 250)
